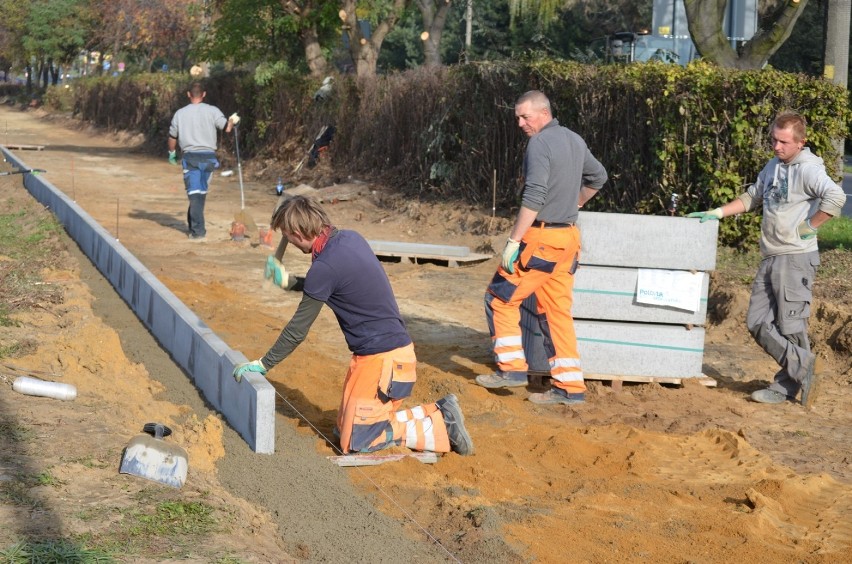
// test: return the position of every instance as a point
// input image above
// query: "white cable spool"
(35, 387)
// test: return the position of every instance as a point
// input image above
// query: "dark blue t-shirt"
(349, 278)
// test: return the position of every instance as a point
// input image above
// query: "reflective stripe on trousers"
(546, 265)
(369, 421)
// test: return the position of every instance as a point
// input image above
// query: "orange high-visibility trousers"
(370, 417)
(547, 261)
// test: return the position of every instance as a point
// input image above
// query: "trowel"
(150, 457)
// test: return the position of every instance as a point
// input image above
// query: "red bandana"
(321, 240)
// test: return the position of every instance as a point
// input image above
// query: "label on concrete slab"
(608, 293)
(673, 288)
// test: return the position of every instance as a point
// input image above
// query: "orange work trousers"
(370, 417)
(546, 264)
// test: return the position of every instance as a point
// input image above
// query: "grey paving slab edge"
(647, 241)
(249, 406)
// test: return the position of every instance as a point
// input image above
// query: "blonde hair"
(793, 121)
(300, 215)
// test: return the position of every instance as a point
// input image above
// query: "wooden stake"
(493, 198)
(116, 218)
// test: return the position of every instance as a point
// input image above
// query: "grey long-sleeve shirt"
(195, 127)
(557, 164)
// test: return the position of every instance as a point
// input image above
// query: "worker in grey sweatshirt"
(797, 197)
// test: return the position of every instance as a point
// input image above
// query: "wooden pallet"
(538, 379)
(376, 459)
(25, 147)
(452, 262)
(453, 256)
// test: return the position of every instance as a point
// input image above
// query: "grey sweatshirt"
(556, 165)
(195, 125)
(790, 194)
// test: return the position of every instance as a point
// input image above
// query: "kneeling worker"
(346, 275)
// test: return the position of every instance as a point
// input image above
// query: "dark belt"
(548, 225)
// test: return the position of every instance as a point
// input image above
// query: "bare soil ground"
(650, 473)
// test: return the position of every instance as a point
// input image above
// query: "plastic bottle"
(279, 188)
(35, 387)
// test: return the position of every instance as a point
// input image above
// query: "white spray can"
(36, 387)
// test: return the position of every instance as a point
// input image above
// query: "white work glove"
(708, 215)
(253, 366)
(510, 255)
(806, 231)
(235, 119)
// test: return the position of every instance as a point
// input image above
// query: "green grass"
(172, 530)
(15, 433)
(26, 552)
(8, 351)
(165, 529)
(177, 518)
(17, 492)
(46, 478)
(30, 243)
(22, 233)
(836, 234)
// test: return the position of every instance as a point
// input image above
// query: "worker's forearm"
(586, 194)
(733, 207)
(525, 219)
(819, 218)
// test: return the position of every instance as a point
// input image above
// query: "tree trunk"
(836, 57)
(317, 64)
(364, 51)
(705, 26)
(434, 20)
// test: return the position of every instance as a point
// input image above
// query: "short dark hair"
(196, 90)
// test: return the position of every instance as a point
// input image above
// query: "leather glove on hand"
(708, 215)
(173, 157)
(510, 255)
(275, 270)
(234, 118)
(806, 230)
(253, 366)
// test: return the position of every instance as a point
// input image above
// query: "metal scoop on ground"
(150, 457)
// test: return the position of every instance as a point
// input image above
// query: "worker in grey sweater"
(196, 127)
(542, 254)
(797, 196)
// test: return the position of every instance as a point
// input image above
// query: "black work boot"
(460, 441)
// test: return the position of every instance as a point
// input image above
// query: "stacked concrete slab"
(617, 336)
(249, 407)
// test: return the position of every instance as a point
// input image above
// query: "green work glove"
(173, 157)
(708, 215)
(275, 270)
(806, 230)
(510, 255)
(253, 366)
